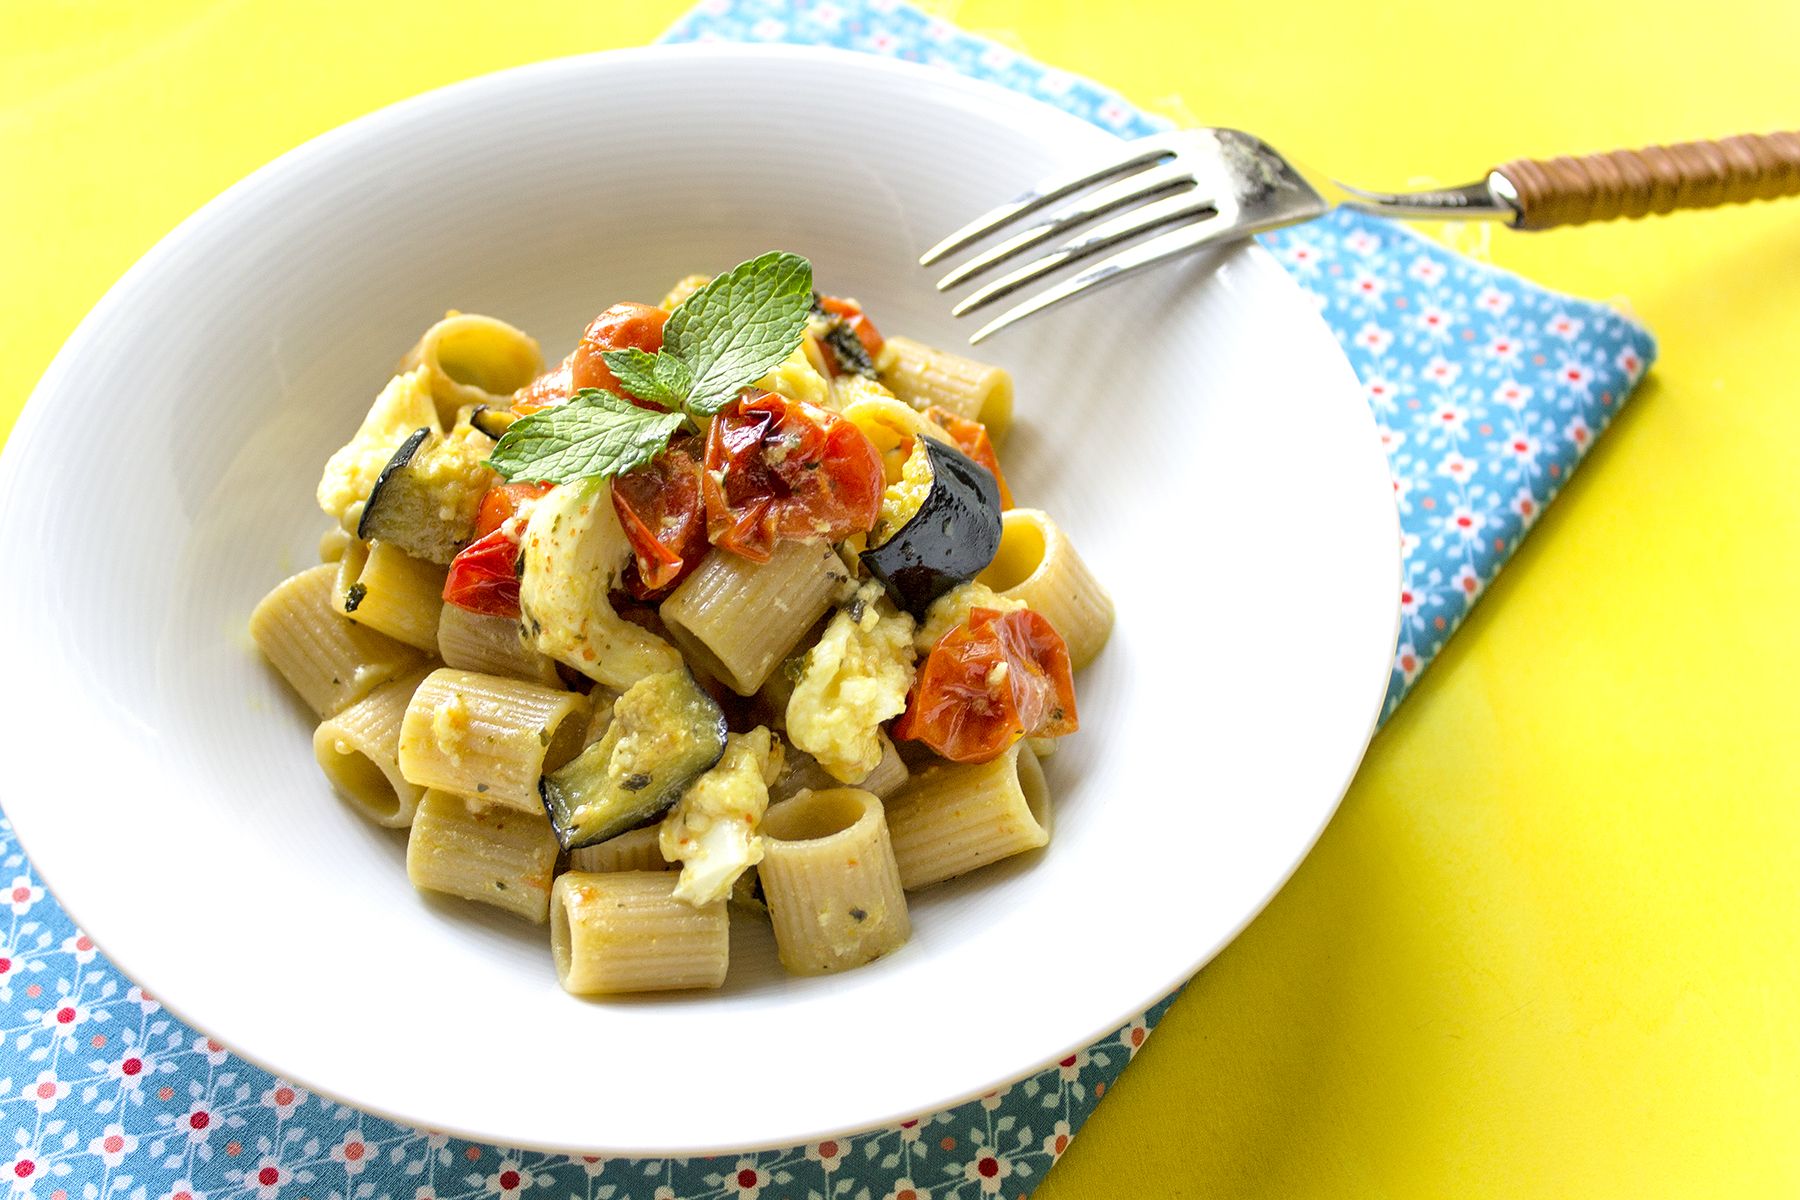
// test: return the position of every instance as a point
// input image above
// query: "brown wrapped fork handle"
(1656, 179)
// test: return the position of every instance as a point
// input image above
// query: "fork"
(1172, 194)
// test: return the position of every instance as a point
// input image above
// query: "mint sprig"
(740, 326)
(596, 434)
(659, 378)
(725, 336)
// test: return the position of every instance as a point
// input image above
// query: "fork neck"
(1494, 198)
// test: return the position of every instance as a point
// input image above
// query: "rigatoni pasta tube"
(735, 619)
(472, 359)
(350, 562)
(488, 737)
(327, 658)
(603, 699)
(385, 588)
(1037, 564)
(637, 850)
(922, 377)
(800, 772)
(889, 775)
(491, 645)
(831, 883)
(890, 424)
(486, 852)
(954, 817)
(624, 931)
(772, 698)
(359, 751)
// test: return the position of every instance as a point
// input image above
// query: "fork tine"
(1046, 192)
(1171, 211)
(1122, 265)
(1130, 192)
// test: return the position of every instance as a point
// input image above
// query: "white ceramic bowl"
(1197, 432)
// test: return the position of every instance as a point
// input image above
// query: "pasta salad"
(731, 610)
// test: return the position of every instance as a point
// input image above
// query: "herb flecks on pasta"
(728, 609)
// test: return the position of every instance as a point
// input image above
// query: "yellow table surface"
(1549, 945)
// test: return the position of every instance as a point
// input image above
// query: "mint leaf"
(594, 435)
(673, 374)
(731, 332)
(659, 378)
(728, 334)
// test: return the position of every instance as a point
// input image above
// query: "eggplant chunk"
(951, 534)
(665, 732)
(840, 341)
(426, 498)
(494, 422)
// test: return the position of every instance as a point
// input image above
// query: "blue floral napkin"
(1489, 391)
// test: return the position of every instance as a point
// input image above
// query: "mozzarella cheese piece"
(450, 726)
(903, 497)
(404, 405)
(457, 475)
(573, 550)
(952, 609)
(856, 677)
(650, 731)
(713, 831)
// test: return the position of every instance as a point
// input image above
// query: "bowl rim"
(371, 124)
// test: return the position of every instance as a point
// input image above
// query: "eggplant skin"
(848, 349)
(840, 341)
(952, 538)
(402, 457)
(490, 420)
(600, 794)
(426, 497)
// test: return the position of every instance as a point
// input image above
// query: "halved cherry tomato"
(664, 518)
(502, 502)
(484, 577)
(779, 469)
(987, 683)
(554, 386)
(971, 437)
(857, 320)
(621, 327)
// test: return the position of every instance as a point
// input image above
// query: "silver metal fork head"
(1156, 199)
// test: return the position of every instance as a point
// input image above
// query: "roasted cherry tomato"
(664, 517)
(484, 577)
(621, 327)
(990, 681)
(857, 320)
(552, 387)
(971, 437)
(502, 502)
(784, 470)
